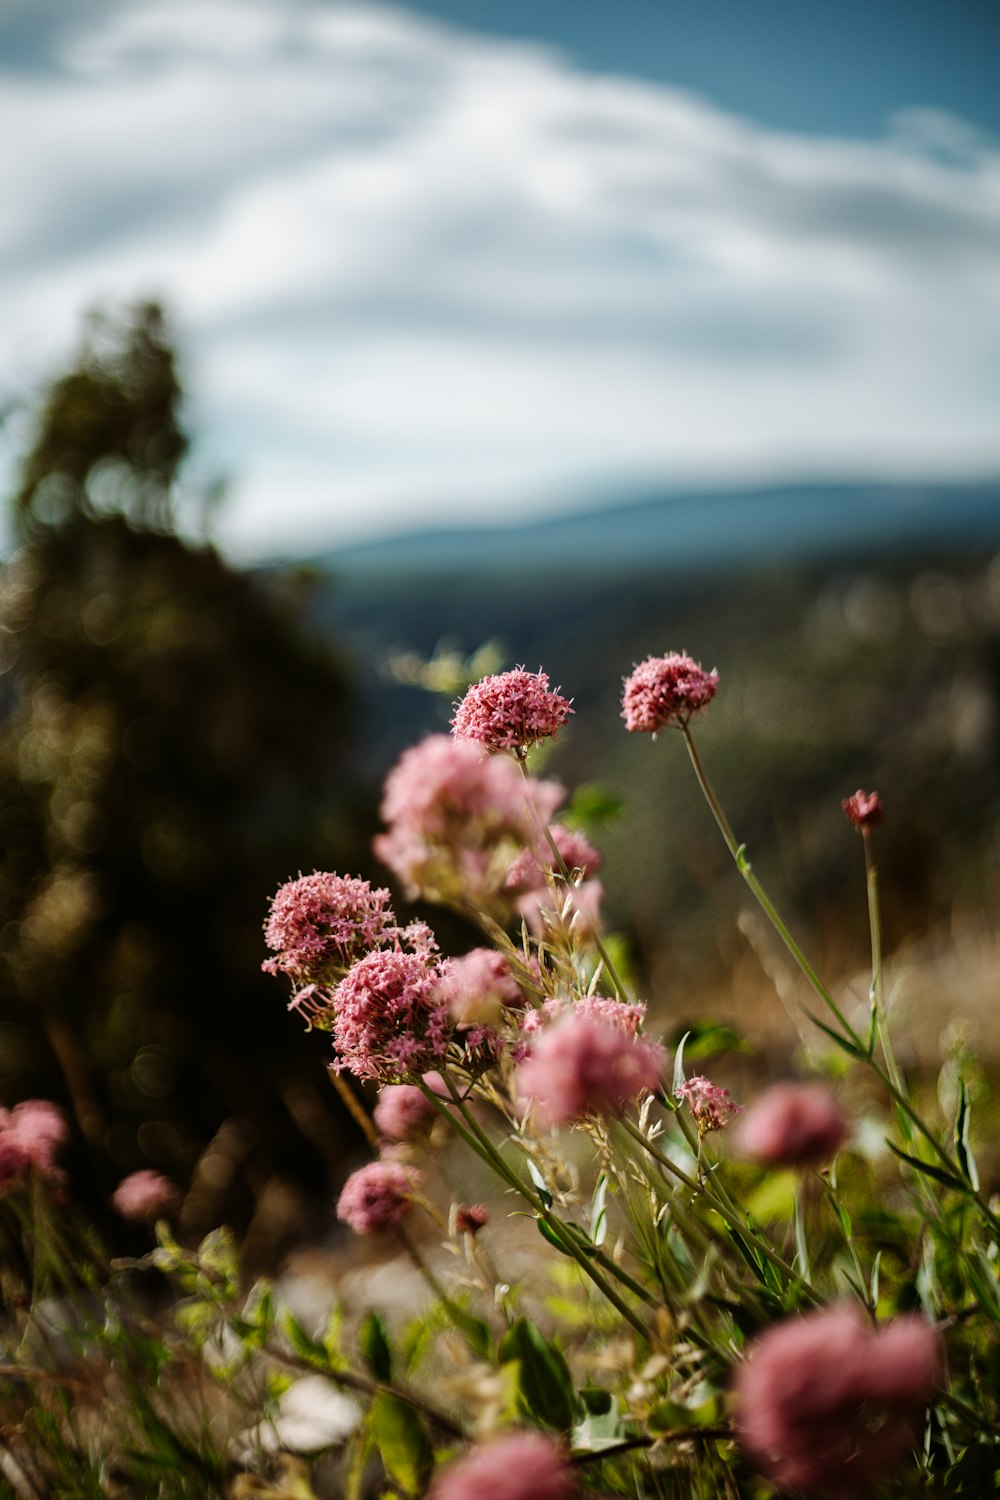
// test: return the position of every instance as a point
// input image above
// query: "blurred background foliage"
(173, 744)
(178, 736)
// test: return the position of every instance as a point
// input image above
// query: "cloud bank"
(421, 273)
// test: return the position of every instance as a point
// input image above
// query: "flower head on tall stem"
(145, 1195)
(664, 691)
(864, 809)
(510, 711)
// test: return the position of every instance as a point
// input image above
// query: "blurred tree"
(172, 746)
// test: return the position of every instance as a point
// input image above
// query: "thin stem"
(474, 1136)
(885, 1075)
(355, 1381)
(745, 869)
(355, 1109)
(718, 1199)
(877, 994)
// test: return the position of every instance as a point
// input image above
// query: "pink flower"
(377, 1196)
(792, 1125)
(515, 1466)
(828, 1406)
(320, 923)
(145, 1195)
(39, 1128)
(711, 1107)
(628, 1018)
(864, 809)
(664, 691)
(542, 894)
(581, 1064)
(456, 817)
(470, 1218)
(389, 1019)
(477, 986)
(403, 1110)
(511, 711)
(528, 870)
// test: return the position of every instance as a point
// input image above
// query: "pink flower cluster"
(711, 1107)
(377, 1196)
(145, 1195)
(319, 924)
(827, 1406)
(628, 1018)
(404, 1111)
(582, 1065)
(389, 1018)
(510, 711)
(664, 691)
(792, 1125)
(30, 1136)
(477, 986)
(515, 1466)
(864, 810)
(455, 819)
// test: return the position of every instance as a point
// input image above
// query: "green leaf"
(598, 1211)
(873, 1282)
(678, 1081)
(842, 1042)
(539, 1182)
(547, 1232)
(399, 1435)
(939, 1174)
(708, 1038)
(591, 807)
(545, 1388)
(373, 1341)
(963, 1150)
(308, 1350)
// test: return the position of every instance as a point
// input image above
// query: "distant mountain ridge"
(718, 529)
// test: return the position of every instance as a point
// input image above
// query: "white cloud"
(410, 262)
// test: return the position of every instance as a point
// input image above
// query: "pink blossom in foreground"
(377, 1196)
(792, 1125)
(864, 809)
(510, 711)
(319, 924)
(403, 1110)
(477, 986)
(145, 1195)
(664, 691)
(827, 1406)
(39, 1127)
(389, 1019)
(581, 1065)
(456, 817)
(515, 1466)
(711, 1107)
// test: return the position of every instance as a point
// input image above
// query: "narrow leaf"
(963, 1150)
(401, 1440)
(373, 1341)
(679, 1064)
(940, 1174)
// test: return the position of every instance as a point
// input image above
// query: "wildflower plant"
(731, 1331)
(708, 1295)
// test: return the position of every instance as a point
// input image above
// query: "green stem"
(474, 1136)
(719, 1200)
(877, 990)
(746, 870)
(895, 1089)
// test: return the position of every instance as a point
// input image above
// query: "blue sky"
(467, 259)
